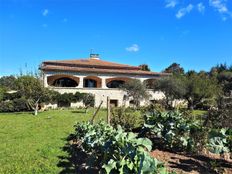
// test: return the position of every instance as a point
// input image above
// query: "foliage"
(7, 106)
(172, 128)
(179, 132)
(8, 82)
(2, 93)
(225, 79)
(117, 151)
(88, 99)
(15, 105)
(175, 69)
(220, 117)
(144, 67)
(172, 87)
(136, 90)
(218, 141)
(199, 87)
(126, 118)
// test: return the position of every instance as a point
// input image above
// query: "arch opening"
(115, 83)
(92, 82)
(63, 80)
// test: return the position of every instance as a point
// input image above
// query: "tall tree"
(174, 68)
(144, 67)
(32, 90)
(136, 90)
(8, 82)
(172, 87)
(199, 87)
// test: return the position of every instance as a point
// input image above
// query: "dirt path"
(194, 164)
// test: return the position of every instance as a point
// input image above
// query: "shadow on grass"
(76, 161)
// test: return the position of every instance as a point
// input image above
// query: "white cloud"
(171, 3)
(219, 5)
(133, 48)
(183, 11)
(45, 12)
(201, 7)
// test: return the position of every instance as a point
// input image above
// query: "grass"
(33, 144)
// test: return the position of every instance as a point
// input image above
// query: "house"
(96, 76)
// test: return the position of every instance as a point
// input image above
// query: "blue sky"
(197, 33)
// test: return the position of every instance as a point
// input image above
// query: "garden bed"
(193, 164)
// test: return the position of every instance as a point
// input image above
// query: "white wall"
(101, 94)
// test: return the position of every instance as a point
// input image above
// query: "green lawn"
(33, 144)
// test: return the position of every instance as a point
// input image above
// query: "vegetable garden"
(112, 150)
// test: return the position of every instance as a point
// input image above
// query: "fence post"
(95, 113)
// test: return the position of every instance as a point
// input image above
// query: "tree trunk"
(36, 109)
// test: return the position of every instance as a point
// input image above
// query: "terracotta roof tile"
(90, 62)
(95, 66)
(100, 70)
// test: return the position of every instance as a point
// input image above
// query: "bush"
(88, 99)
(21, 104)
(128, 119)
(16, 105)
(7, 106)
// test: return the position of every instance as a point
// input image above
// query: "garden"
(161, 138)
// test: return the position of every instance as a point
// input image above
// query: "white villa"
(101, 78)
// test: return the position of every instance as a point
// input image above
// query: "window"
(115, 83)
(114, 103)
(65, 82)
(90, 83)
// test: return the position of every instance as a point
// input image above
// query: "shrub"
(128, 119)
(16, 105)
(21, 104)
(88, 99)
(6, 106)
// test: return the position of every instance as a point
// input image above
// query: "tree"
(175, 69)
(199, 88)
(8, 82)
(144, 67)
(2, 92)
(136, 90)
(88, 100)
(225, 80)
(32, 90)
(172, 87)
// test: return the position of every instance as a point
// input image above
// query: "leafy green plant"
(172, 128)
(118, 151)
(218, 141)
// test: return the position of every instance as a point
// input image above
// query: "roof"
(92, 65)
(90, 62)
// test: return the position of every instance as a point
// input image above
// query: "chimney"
(94, 56)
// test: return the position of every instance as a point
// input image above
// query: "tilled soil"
(193, 164)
